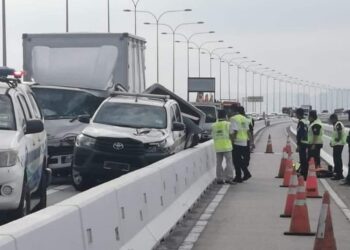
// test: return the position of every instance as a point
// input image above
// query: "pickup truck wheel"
(24, 205)
(81, 182)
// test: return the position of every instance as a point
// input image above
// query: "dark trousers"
(348, 177)
(247, 155)
(315, 153)
(304, 166)
(337, 159)
(239, 154)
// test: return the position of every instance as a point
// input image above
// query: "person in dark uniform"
(240, 136)
(302, 141)
(337, 143)
(315, 137)
(347, 179)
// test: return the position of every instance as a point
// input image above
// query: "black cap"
(313, 114)
(300, 112)
(222, 114)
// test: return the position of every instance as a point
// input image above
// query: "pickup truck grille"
(120, 146)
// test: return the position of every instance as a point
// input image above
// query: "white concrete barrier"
(134, 211)
(52, 228)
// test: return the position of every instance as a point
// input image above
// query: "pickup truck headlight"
(154, 147)
(8, 158)
(85, 141)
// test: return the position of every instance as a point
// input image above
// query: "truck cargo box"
(96, 61)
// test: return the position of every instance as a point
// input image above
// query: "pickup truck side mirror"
(34, 126)
(84, 118)
(178, 126)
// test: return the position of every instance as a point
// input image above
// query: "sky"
(304, 39)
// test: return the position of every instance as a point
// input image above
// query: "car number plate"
(116, 166)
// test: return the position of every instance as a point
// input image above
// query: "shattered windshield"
(7, 117)
(66, 104)
(132, 115)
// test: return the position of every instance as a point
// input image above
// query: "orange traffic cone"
(291, 196)
(311, 181)
(287, 173)
(289, 146)
(282, 164)
(269, 146)
(300, 224)
(325, 236)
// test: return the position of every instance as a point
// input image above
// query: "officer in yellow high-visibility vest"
(223, 148)
(337, 143)
(240, 137)
(302, 141)
(315, 137)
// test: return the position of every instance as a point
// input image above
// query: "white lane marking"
(196, 231)
(333, 194)
(57, 189)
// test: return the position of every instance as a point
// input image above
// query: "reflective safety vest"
(221, 136)
(335, 135)
(242, 128)
(315, 139)
(306, 127)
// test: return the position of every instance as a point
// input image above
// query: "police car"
(23, 150)
(127, 132)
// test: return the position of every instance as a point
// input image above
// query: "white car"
(23, 150)
(127, 132)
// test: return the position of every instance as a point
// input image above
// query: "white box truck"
(74, 73)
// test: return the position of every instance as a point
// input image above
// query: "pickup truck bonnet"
(144, 135)
(88, 67)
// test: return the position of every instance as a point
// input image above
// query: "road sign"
(255, 99)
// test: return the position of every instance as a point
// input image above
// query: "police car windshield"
(132, 115)
(210, 113)
(7, 118)
(66, 104)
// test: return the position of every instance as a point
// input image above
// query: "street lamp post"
(200, 47)
(173, 32)
(261, 74)
(67, 16)
(157, 20)
(108, 18)
(238, 68)
(221, 61)
(246, 82)
(135, 3)
(211, 53)
(188, 41)
(4, 50)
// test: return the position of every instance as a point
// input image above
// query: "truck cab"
(74, 73)
(127, 132)
(23, 150)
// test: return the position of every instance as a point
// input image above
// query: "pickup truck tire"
(81, 182)
(24, 204)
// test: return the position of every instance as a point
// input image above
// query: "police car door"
(32, 148)
(40, 137)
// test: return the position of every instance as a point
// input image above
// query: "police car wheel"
(42, 191)
(81, 182)
(24, 205)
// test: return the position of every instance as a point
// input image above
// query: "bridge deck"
(248, 215)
